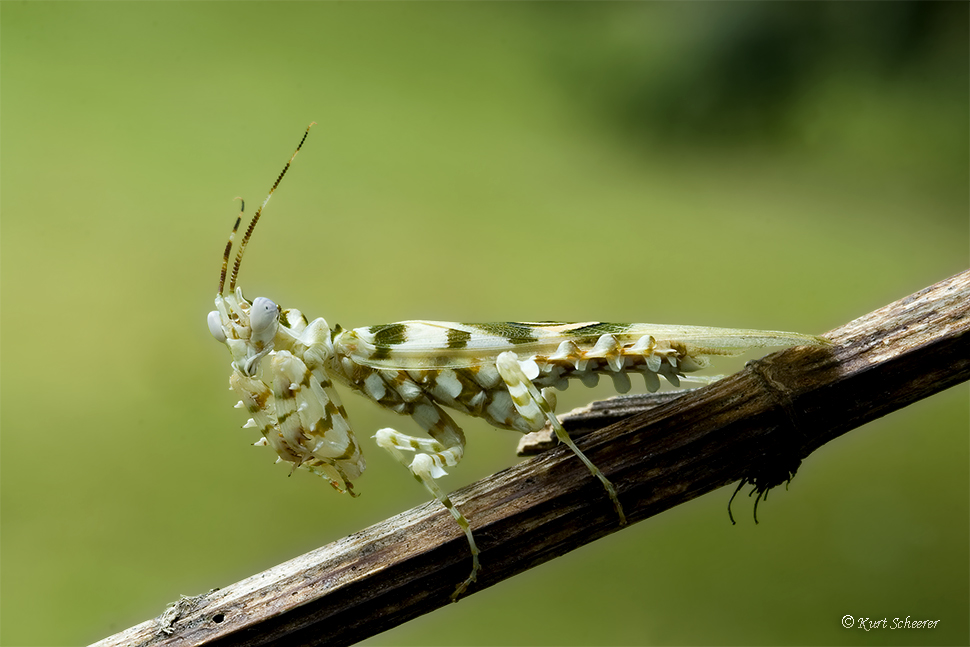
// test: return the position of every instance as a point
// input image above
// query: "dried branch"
(757, 424)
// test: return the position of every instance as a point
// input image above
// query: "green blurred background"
(786, 166)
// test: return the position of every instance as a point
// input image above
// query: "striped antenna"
(252, 224)
(228, 252)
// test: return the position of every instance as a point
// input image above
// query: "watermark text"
(868, 624)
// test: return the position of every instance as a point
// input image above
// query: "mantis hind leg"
(536, 409)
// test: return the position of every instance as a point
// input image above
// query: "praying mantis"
(285, 368)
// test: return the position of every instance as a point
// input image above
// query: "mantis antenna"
(252, 224)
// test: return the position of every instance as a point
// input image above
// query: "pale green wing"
(437, 344)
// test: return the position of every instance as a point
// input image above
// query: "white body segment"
(283, 369)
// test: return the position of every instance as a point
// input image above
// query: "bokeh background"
(785, 166)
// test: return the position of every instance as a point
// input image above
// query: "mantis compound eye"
(263, 318)
(215, 326)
